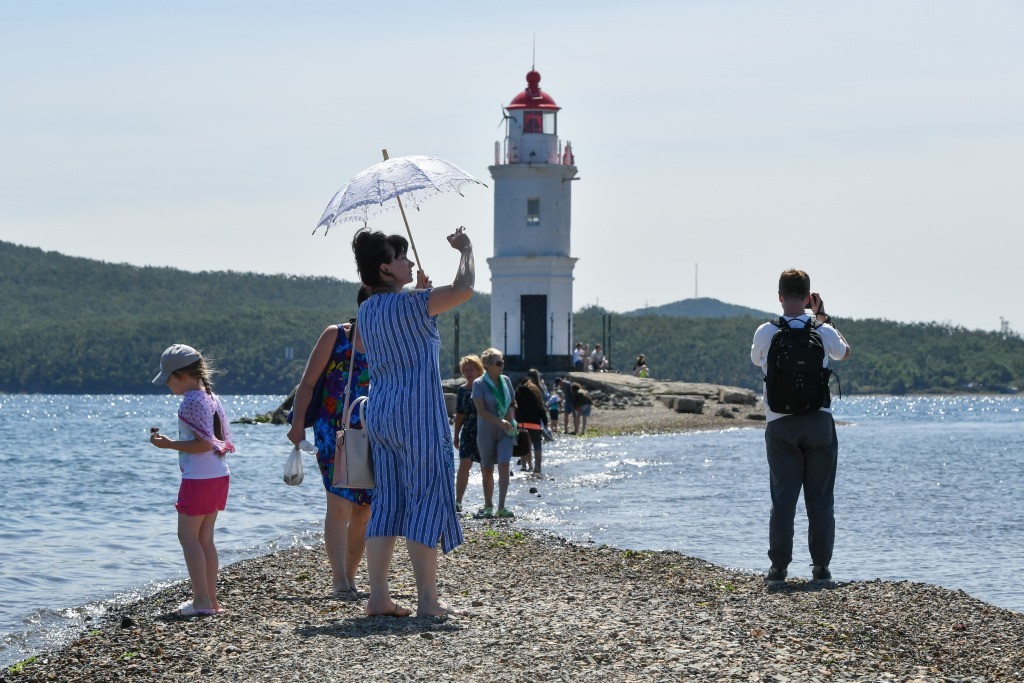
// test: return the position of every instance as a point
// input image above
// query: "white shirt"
(206, 465)
(834, 345)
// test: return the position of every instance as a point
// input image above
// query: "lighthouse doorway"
(534, 311)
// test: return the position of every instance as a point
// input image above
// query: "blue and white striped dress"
(406, 420)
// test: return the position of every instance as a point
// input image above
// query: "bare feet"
(441, 610)
(395, 610)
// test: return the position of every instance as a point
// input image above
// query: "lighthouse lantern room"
(531, 270)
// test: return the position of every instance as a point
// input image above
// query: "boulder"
(736, 395)
(688, 404)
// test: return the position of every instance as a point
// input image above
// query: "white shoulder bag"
(353, 461)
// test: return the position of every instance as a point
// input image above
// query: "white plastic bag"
(293, 472)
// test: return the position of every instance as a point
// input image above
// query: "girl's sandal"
(186, 609)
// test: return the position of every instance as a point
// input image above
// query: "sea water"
(929, 489)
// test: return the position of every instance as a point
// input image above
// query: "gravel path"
(545, 610)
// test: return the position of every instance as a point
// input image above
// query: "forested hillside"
(888, 357)
(73, 325)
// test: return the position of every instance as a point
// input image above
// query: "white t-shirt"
(834, 345)
(206, 465)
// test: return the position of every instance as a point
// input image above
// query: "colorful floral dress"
(332, 407)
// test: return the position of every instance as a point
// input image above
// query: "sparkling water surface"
(929, 489)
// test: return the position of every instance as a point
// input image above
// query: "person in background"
(640, 367)
(535, 376)
(405, 416)
(568, 409)
(202, 444)
(496, 429)
(471, 368)
(348, 510)
(803, 450)
(532, 415)
(554, 403)
(598, 363)
(582, 403)
(578, 354)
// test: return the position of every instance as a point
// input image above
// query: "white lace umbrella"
(412, 178)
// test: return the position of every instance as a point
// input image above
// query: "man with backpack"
(803, 450)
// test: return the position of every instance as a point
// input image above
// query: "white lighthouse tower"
(531, 270)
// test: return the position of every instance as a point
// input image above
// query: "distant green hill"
(702, 307)
(46, 285)
(75, 325)
(888, 357)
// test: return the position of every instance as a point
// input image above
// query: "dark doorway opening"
(534, 311)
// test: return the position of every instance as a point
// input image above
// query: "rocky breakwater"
(624, 404)
(627, 404)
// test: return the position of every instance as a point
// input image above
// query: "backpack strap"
(781, 322)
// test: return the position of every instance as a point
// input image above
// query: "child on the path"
(554, 403)
(203, 441)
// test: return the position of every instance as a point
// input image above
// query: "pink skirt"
(202, 496)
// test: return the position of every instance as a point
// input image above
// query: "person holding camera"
(800, 438)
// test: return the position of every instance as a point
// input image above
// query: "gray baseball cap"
(175, 358)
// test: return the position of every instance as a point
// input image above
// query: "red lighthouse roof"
(533, 97)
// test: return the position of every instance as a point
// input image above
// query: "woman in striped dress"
(405, 416)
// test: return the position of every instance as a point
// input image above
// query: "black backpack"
(795, 382)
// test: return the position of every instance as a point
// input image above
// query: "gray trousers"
(803, 452)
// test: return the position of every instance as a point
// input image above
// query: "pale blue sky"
(878, 145)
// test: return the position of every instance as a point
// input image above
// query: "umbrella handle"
(412, 242)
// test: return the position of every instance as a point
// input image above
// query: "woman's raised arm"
(446, 297)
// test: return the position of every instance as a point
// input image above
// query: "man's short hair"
(794, 284)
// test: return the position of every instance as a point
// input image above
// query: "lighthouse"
(531, 270)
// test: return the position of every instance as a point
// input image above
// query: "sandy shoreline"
(546, 610)
(657, 419)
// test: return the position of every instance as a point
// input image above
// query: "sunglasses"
(498, 363)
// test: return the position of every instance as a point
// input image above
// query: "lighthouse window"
(533, 122)
(540, 122)
(550, 124)
(533, 212)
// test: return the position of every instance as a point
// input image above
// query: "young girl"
(203, 441)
